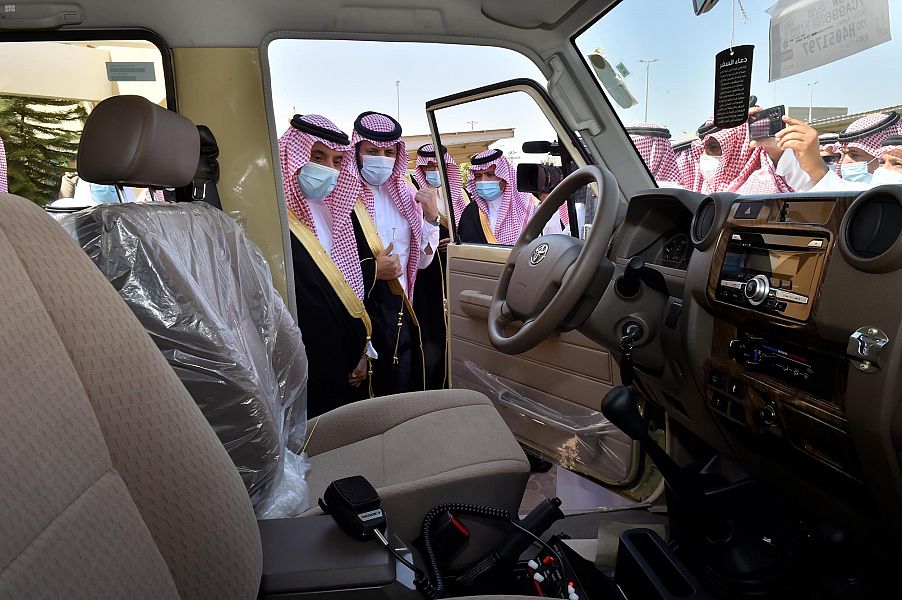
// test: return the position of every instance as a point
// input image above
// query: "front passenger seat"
(419, 450)
(113, 483)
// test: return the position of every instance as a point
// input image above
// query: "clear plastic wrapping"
(204, 293)
(576, 437)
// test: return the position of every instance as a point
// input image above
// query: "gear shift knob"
(620, 408)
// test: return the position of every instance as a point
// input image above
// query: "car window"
(342, 79)
(519, 162)
(47, 91)
(826, 64)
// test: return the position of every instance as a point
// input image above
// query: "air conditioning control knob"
(756, 290)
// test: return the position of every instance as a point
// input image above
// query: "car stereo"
(772, 273)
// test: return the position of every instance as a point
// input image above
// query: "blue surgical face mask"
(377, 169)
(433, 179)
(104, 194)
(317, 181)
(856, 172)
(488, 190)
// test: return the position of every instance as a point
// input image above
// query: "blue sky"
(340, 79)
(304, 80)
(681, 86)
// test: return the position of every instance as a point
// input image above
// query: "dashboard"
(776, 341)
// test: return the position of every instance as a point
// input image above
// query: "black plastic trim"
(510, 83)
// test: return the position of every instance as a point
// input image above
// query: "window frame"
(521, 84)
(602, 93)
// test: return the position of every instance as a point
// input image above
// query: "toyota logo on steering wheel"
(538, 255)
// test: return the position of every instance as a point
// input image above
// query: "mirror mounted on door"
(611, 79)
(702, 6)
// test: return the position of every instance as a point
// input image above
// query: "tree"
(41, 137)
(464, 173)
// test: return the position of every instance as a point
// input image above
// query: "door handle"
(475, 304)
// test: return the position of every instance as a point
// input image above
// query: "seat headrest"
(129, 140)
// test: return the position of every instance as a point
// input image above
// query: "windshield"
(830, 66)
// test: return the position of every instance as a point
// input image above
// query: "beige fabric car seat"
(419, 450)
(204, 294)
(113, 483)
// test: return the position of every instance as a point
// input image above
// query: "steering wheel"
(545, 276)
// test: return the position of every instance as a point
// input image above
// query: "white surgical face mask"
(708, 165)
(377, 169)
(884, 176)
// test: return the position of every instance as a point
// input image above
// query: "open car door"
(549, 396)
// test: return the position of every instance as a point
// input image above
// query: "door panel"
(567, 376)
(550, 396)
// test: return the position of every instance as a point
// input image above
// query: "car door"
(550, 396)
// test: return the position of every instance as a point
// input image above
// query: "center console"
(769, 372)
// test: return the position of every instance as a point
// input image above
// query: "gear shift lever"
(620, 408)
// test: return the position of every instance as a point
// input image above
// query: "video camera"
(537, 178)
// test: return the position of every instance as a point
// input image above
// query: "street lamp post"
(811, 99)
(647, 70)
(472, 124)
(398, 96)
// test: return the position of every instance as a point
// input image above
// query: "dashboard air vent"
(874, 227)
(703, 222)
(871, 231)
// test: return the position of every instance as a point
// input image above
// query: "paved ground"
(576, 492)
(540, 486)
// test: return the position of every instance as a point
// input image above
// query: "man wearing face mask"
(890, 170)
(859, 146)
(428, 177)
(730, 163)
(398, 228)
(498, 213)
(321, 188)
(429, 301)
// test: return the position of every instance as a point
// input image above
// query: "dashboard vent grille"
(874, 226)
(704, 220)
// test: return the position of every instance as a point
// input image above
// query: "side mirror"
(703, 6)
(611, 80)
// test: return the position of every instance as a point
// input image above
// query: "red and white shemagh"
(894, 150)
(743, 169)
(516, 207)
(4, 182)
(401, 192)
(687, 163)
(869, 143)
(657, 152)
(564, 214)
(457, 192)
(828, 144)
(294, 153)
